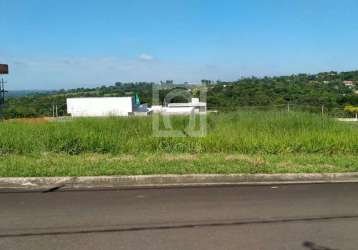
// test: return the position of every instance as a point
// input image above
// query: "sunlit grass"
(241, 142)
(89, 164)
(241, 132)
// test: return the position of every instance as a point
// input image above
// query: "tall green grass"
(240, 132)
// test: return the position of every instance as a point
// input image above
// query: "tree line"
(333, 90)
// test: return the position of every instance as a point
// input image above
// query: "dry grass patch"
(39, 120)
(171, 157)
(179, 157)
(124, 158)
(246, 158)
(296, 165)
(98, 158)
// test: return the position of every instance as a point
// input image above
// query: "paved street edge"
(155, 181)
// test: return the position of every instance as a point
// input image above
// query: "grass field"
(242, 142)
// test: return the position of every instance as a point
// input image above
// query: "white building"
(195, 104)
(156, 108)
(125, 106)
(349, 83)
(178, 111)
(100, 106)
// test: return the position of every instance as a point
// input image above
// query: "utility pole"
(322, 110)
(4, 70)
(56, 111)
(2, 92)
(2, 96)
(288, 107)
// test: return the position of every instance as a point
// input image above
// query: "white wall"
(178, 111)
(156, 108)
(195, 100)
(99, 106)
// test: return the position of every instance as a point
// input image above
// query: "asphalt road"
(313, 217)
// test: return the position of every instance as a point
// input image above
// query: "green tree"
(352, 109)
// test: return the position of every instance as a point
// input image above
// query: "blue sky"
(82, 43)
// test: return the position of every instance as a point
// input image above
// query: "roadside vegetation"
(90, 164)
(237, 142)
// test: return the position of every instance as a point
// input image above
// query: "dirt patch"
(39, 120)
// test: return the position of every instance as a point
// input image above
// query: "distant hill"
(19, 93)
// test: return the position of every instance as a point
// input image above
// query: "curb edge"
(158, 181)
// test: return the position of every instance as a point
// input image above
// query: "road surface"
(320, 216)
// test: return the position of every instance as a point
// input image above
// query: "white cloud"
(146, 57)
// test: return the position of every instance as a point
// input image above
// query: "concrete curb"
(157, 181)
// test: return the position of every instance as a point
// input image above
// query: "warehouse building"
(100, 106)
(126, 106)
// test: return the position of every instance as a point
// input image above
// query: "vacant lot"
(241, 142)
